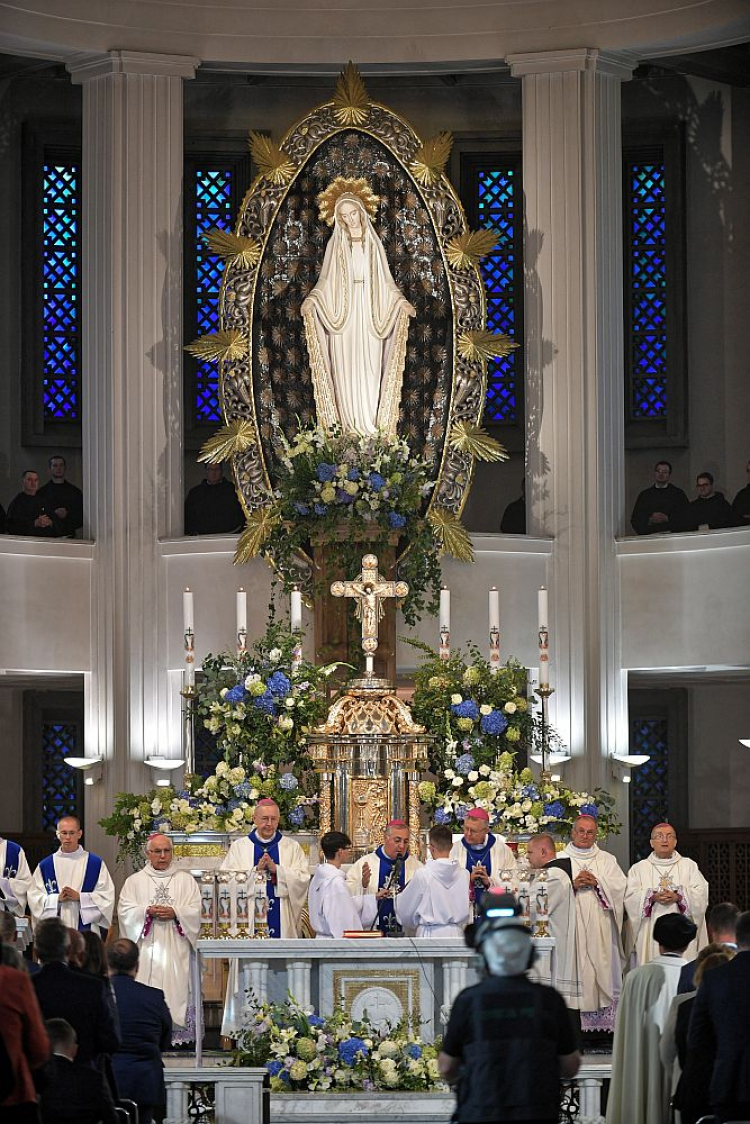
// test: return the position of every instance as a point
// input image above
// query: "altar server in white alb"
(665, 882)
(599, 887)
(483, 854)
(159, 909)
(73, 884)
(333, 910)
(435, 903)
(279, 868)
(551, 891)
(15, 878)
(389, 867)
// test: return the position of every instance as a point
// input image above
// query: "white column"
(298, 981)
(132, 382)
(574, 381)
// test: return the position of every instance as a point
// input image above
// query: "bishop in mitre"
(665, 882)
(356, 319)
(599, 887)
(483, 854)
(73, 884)
(390, 866)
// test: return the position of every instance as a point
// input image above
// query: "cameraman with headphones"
(509, 1041)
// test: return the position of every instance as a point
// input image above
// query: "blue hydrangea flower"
(589, 810)
(232, 804)
(441, 816)
(301, 508)
(242, 791)
(396, 520)
(274, 1067)
(235, 694)
(297, 817)
(493, 723)
(278, 684)
(288, 781)
(462, 811)
(320, 508)
(556, 809)
(466, 709)
(325, 472)
(377, 482)
(353, 474)
(315, 1020)
(413, 1050)
(344, 497)
(530, 792)
(265, 702)
(464, 764)
(349, 1049)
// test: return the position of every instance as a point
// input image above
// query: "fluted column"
(574, 392)
(132, 381)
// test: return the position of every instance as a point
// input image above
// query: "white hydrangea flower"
(449, 774)
(274, 655)
(510, 708)
(457, 782)
(456, 699)
(484, 770)
(485, 709)
(473, 776)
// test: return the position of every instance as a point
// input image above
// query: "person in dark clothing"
(29, 514)
(513, 521)
(509, 1041)
(691, 1094)
(62, 497)
(25, 1042)
(711, 508)
(64, 993)
(212, 507)
(721, 922)
(662, 507)
(70, 1093)
(741, 503)
(146, 1031)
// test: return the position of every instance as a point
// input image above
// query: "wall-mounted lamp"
(623, 763)
(163, 767)
(745, 742)
(91, 767)
(552, 758)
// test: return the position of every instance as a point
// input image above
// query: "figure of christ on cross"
(370, 589)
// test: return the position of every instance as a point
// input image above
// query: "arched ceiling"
(290, 36)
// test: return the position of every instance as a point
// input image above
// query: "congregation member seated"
(62, 497)
(23, 1039)
(29, 514)
(72, 1094)
(212, 507)
(710, 508)
(741, 503)
(513, 521)
(662, 507)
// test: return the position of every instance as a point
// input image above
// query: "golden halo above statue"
(359, 188)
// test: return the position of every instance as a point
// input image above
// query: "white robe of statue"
(599, 916)
(292, 880)
(561, 912)
(640, 1086)
(333, 910)
(356, 324)
(165, 946)
(14, 887)
(95, 908)
(435, 903)
(644, 879)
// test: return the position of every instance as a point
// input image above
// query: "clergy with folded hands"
(73, 884)
(333, 910)
(389, 866)
(435, 903)
(483, 854)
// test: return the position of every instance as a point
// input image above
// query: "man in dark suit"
(718, 1028)
(72, 1094)
(74, 996)
(721, 922)
(146, 1026)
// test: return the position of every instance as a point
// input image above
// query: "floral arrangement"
(352, 490)
(303, 1051)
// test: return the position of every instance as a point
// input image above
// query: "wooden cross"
(370, 590)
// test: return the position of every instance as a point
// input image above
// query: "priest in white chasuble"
(552, 890)
(435, 903)
(159, 909)
(73, 884)
(15, 878)
(333, 910)
(283, 865)
(482, 854)
(599, 887)
(665, 882)
(389, 866)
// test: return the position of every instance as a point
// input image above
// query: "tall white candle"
(241, 620)
(494, 629)
(187, 611)
(296, 610)
(189, 636)
(445, 623)
(543, 639)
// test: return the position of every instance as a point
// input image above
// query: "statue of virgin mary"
(356, 319)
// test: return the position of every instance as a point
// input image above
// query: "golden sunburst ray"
(236, 249)
(450, 533)
(467, 249)
(259, 525)
(351, 103)
(472, 439)
(483, 345)
(428, 163)
(228, 442)
(272, 161)
(218, 347)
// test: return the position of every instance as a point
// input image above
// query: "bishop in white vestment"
(333, 910)
(435, 903)
(389, 866)
(159, 909)
(483, 854)
(15, 877)
(73, 884)
(552, 890)
(666, 882)
(599, 887)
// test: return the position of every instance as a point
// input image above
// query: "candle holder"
(494, 660)
(208, 905)
(189, 693)
(541, 903)
(241, 641)
(224, 912)
(242, 904)
(445, 644)
(544, 691)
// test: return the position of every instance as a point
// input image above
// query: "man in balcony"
(662, 507)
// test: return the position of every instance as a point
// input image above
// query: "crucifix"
(370, 590)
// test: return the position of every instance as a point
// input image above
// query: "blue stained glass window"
(649, 788)
(61, 273)
(646, 233)
(498, 201)
(213, 209)
(59, 781)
